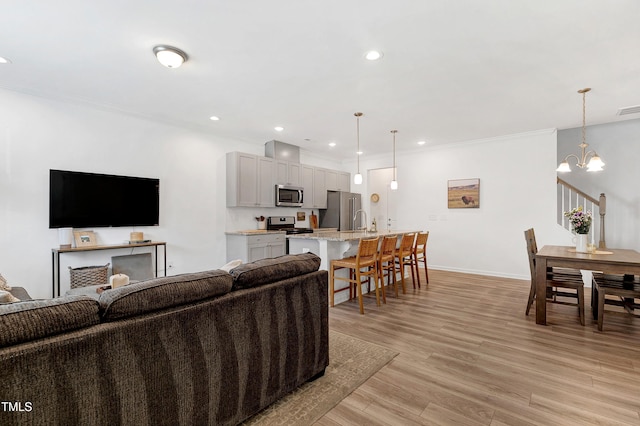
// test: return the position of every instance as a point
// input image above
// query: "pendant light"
(394, 182)
(357, 179)
(595, 163)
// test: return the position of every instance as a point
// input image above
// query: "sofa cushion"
(161, 293)
(34, 319)
(267, 271)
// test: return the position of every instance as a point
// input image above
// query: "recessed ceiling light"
(332, 144)
(169, 56)
(4, 60)
(359, 152)
(214, 118)
(278, 128)
(373, 55)
(421, 142)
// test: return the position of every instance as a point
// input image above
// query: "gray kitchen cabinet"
(250, 180)
(319, 188)
(288, 173)
(252, 247)
(306, 178)
(344, 181)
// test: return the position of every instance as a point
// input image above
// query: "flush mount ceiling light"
(214, 118)
(594, 163)
(373, 55)
(422, 142)
(394, 182)
(357, 179)
(278, 128)
(4, 60)
(170, 57)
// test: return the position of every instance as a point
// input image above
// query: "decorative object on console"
(136, 237)
(88, 275)
(118, 280)
(85, 238)
(595, 163)
(463, 193)
(65, 237)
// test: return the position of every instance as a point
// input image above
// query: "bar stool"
(386, 262)
(420, 254)
(404, 257)
(365, 264)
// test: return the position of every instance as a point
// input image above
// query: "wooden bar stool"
(386, 262)
(420, 254)
(404, 257)
(365, 265)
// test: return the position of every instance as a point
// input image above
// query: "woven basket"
(88, 275)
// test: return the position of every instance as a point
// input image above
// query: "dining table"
(606, 260)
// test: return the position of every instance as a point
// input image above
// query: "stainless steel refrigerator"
(340, 211)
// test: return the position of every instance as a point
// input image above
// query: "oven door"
(289, 196)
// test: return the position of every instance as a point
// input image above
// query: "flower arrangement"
(580, 219)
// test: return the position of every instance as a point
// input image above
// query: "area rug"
(351, 362)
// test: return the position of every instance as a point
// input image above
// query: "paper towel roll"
(118, 280)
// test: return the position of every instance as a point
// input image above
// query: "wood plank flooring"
(470, 356)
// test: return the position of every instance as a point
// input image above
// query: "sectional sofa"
(194, 349)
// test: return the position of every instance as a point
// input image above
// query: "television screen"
(81, 200)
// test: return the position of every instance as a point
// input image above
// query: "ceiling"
(451, 71)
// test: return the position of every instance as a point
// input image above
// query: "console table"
(56, 252)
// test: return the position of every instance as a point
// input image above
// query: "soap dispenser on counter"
(374, 227)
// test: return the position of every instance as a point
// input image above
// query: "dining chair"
(363, 265)
(420, 254)
(557, 278)
(404, 257)
(386, 263)
(626, 288)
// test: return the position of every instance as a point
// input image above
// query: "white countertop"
(345, 235)
(253, 232)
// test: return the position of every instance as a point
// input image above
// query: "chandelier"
(589, 159)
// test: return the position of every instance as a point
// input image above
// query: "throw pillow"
(229, 266)
(3, 284)
(6, 297)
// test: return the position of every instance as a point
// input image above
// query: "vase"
(581, 243)
(262, 224)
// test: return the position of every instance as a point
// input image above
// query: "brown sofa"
(193, 349)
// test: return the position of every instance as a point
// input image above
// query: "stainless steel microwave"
(289, 196)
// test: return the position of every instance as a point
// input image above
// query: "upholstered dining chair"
(558, 280)
(386, 264)
(363, 265)
(420, 254)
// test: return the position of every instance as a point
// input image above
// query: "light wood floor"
(469, 355)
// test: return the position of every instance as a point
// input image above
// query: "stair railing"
(570, 197)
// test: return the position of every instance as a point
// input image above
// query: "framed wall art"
(463, 193)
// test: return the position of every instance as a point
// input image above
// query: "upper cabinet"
(288, 173)
(250, 180)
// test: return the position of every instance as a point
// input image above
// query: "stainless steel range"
(287, 224)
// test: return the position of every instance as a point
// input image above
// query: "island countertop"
(345, 235)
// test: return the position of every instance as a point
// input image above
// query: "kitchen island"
(330, 245)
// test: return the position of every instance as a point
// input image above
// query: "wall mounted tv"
(81, 200)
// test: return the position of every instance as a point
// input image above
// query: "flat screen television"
(81, 200)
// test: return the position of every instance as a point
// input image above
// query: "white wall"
(517, 191)
(38, 134)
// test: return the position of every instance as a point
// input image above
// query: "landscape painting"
(464, 193)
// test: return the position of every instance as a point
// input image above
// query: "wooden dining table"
(609, 261)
